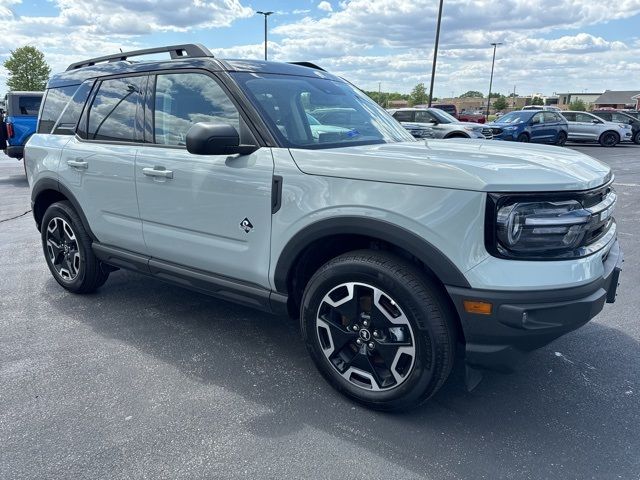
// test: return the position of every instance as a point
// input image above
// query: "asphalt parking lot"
(146, 380)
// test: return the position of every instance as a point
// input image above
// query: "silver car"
(586, 127)
(441, 123)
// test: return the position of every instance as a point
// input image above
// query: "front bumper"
(15, 151)
(523, 321)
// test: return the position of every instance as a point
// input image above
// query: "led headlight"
(543, 227)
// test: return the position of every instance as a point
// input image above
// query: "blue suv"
(531, 126)
(20, 121)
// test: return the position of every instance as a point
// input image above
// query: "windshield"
(442, 116)
(304, 112)
(514, 117)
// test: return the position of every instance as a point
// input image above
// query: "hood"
(461, 164)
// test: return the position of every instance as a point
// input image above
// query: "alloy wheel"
(63, 250)
(366, 337)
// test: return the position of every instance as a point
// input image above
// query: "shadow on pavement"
(545, 421)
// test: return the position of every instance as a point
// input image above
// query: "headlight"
(472, 129)
(540, 227)
(509, 128)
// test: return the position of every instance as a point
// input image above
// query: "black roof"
(120, 64)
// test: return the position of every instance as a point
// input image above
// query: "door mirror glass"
(215, 139)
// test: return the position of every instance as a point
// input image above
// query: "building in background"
(564, 99)
(618, 99)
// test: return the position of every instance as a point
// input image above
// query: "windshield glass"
(514, 117)
(304, 112)
(442, 116)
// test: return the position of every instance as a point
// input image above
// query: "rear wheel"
(609, 139)
(523, 137)
(562, 138)
(67, 249)
(378, 330)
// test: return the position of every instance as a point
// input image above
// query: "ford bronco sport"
(282, 187)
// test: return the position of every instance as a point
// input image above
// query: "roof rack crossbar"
(308, 64)
(176, 51)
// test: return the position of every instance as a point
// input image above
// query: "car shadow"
(545, 421)
(15, 181)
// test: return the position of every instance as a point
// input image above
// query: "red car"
(462, 116)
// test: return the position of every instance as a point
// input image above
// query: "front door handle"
(77, 163)
(157, 172)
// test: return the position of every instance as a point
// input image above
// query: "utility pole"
(514, 97)
(495, 45)
(266, 14)
(435, 53)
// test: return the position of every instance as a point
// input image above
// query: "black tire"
(636, 138)
(562, 138)
(428, 327)
(609, 139)
(523, 137)
(81, 274)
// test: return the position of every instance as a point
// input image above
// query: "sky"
(548, 46)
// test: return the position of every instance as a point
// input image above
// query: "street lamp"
(266, 14)
(435, 53)
(495, 45)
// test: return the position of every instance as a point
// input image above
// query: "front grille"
(487, 132)
(496, 130)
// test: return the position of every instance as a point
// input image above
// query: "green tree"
(537, 101)
(500, 104)
(578, 105)
(418, 95)
(27, 69)
(496, 95)
(472, 94)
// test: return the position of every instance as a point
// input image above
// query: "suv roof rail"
(308, 64)
(187, 50)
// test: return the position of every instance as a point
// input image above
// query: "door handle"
(157, 172)
(79, 163)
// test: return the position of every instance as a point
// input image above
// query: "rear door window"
(550, 117)
(571, 117)
(112, 115)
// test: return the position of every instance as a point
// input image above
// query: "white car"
(586, 127)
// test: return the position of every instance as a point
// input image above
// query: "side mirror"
(596, 121)
(216, 139)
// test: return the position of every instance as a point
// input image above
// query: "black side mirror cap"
(205, 138)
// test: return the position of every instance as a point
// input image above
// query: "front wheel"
(609, 139)
(523, 137)
(378, 330)
(67, 249)
(636, 138)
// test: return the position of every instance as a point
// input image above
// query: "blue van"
(20, 120)
(531, 126)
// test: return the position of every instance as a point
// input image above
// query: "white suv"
(586, 127)
(282, 187)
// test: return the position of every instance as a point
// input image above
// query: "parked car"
(441, 124)
(460, 116)
(586, 127)
(542, 107)
(531, 126)
(618, 116)
(20, 120)
(390, 251)
(633, 113)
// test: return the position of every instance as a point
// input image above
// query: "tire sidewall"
(423, 372)
(636, 138)
(63, 211)
(523, 138)
(562, 138)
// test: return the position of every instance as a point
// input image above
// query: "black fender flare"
(45, 184)
(433, 258)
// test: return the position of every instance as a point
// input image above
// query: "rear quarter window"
(55, 101)
(28, 105)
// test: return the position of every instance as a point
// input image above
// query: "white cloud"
(325, 6)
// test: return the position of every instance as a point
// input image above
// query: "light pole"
(266, 14)
(495, 45)
(435, 52)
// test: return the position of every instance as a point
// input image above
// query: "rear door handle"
(78, 163)
(157, 172)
